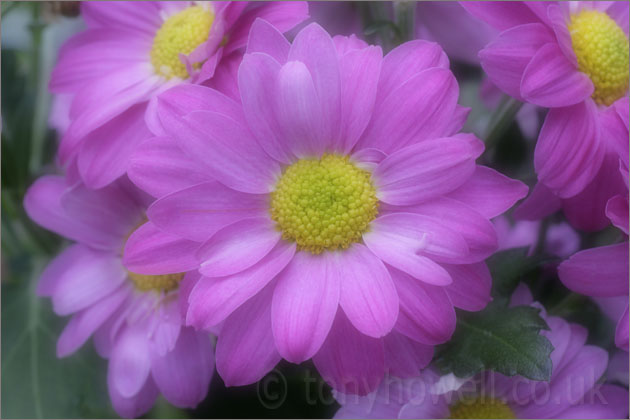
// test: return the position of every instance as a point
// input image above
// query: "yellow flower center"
(324, 204)
(180, 34)
(159, 283)
(601, 48)
(481, 408)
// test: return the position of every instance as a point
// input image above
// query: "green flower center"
(481, 408)
(601, 48)
(180, 34)
(324, 204)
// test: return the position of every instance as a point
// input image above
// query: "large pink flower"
(345, 218)
(129, 53)
(571, 57)
(573, 391)
(134, 319)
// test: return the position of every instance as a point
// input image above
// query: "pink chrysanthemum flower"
(573, 391)
(571, 57)
(345, 214)
(603, 271)
(134, 319)
(129, 53)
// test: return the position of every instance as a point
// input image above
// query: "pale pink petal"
(569, 151)
(136, 405)
(599, 271)
(368, 295)
(501, 15)
(152, 251)
(130, 364)
(489, 192)
(140, 18)
(266, 38)
(350, 361)
(168, 326)
(213, 299)
(471, 285)
(237, 246)
(405, 358)
(426, 170)
(198, 212)
(304, 304)
(426, 312)
(245, 349)
(57, 267)
(183, 374)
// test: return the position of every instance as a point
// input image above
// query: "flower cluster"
(242, 186)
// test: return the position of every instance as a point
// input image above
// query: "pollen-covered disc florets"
(481, 408)
(601, 48)
(179, 34)
(158, 283)
(324, 204)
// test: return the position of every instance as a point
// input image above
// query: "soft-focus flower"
(339, 181)
(571, 57)
(572, 392)
(560, 240)
(129, 53)
(134, 319)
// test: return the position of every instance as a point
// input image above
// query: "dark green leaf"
(499, 338)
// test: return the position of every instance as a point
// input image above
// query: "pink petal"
(152, 251)
(501, 15)
(198, 212)
(426, 170)
(227, 150)
(550, 80)
(183, 374)
(405, 358)
(213, 299)
(540, 204)
(558, 21)
(168, 326)
(304, 305)
(471, 286)
(266, 38)
(489, 192)
(140, 18)
(85, 323)
(599, 271)
(621, 334)
(237, 246)
(130, 364)
(368, 295)
(136, 405)
(604, 401)
(426, 312)
(617, 212)
(350, 361)
(159, 167)
(569, 150)
(421, 108)
(314, 48)
(619, 12)
(505, 59)
(57, 267)
(360, 70)
(245, 350)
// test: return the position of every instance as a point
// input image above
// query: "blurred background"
(35, 384)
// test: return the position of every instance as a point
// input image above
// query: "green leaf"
(499, 338)
(35, 384)
(511, 266)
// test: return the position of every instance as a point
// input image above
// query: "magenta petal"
(159, 167)
(489, 192)
(505, 59)
(617, 212)
(540, 203)
(136, 405)
(183, 374)
(349, 361)
(621, 334)
(569, 151)
(56, 269)
(471, 286)
(266, 38)
(237, 246)
(501, 15)
(583, 272)
(304, 304)
(426, 312)
(425, 170)
(140, 18)
(550, 80)
(130, 364)
(228, 151)
(604, 401)
(198, 212)
(152, 251)
(368, 295)
(213, 299)
(86, 322)
(421, 108)
(245, 349)
(405, 358)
